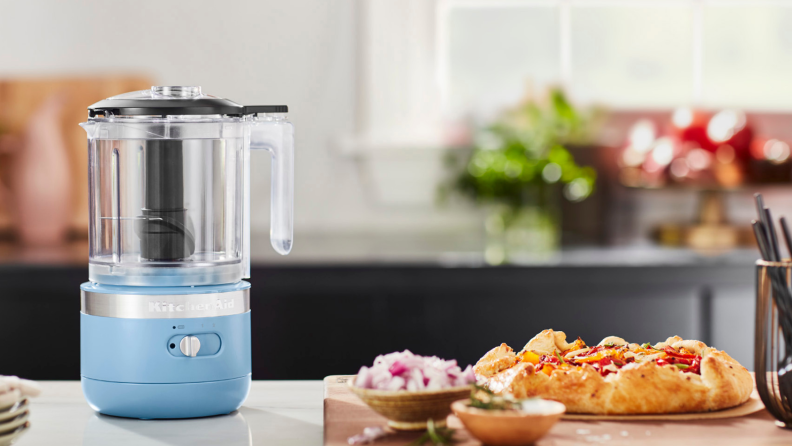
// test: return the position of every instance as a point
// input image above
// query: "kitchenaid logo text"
(167, 307)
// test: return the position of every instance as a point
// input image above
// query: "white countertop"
(275, 413)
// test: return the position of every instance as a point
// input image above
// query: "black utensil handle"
(787, 235)
(760, 210)
(781, 293)
(761, 242)
(773, 239)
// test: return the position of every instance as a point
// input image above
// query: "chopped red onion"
(363, 378)
(369, 434)
(406, 371)
(397, 368)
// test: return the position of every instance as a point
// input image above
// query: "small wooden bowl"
(506, 427)
(407, 410)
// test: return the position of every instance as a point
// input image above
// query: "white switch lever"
(190, 345)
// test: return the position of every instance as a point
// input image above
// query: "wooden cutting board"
(345, 415)
(754, 404)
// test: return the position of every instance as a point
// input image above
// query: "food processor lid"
(176, 100)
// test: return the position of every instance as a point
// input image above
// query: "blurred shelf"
(444, 251)
(455, 251)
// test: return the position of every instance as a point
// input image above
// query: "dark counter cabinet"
(313, 321)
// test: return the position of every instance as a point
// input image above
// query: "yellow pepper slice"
(531, 357)
(610, 353)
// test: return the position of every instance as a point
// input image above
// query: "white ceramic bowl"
(15, 423)
(8, 438)
(9, 398)
(14, 410)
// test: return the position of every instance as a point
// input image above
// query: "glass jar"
(169, 185)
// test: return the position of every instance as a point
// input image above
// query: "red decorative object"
(703, 150)
(690, 125)
(712, 153)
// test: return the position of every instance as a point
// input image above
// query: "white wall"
(297, 52)
(365, 163)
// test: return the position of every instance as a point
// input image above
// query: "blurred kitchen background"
(468, 172)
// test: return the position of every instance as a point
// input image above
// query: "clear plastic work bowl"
(169, 199)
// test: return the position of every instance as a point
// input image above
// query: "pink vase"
(40, 178)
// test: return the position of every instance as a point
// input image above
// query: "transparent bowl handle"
(276, 135)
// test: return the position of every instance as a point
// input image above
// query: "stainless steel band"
(174, 306)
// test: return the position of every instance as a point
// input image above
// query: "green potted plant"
(518, 166)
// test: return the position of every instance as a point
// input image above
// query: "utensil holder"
(770, 347)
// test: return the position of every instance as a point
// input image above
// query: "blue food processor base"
(152, 401)
(130, 369)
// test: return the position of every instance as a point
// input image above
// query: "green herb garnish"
(475, 388)
(560, 358)
(682, 366)
(483, 398)
(438, 436)
(609, 344)
(646, 345)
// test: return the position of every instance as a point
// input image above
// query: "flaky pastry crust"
(637, 388)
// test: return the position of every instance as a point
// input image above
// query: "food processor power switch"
(189, 346)
(165, 316)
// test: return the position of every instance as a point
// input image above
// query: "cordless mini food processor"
(165, 316)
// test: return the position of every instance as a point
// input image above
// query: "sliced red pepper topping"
(594, 350)
(688, 363)
(672, 352)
